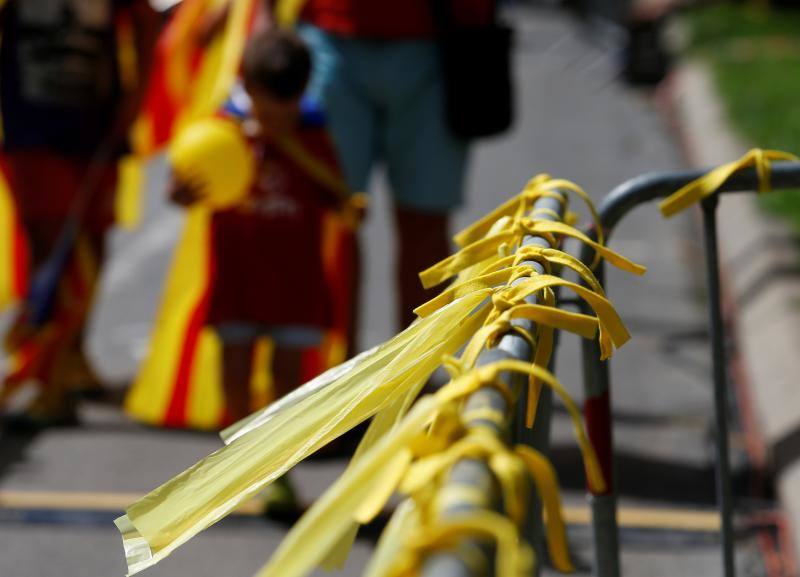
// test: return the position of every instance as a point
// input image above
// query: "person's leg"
(280, 498)
(286, 369)
(422, 239)
(426, 165)
(237, 360)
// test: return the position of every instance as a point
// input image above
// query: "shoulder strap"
(315, 168)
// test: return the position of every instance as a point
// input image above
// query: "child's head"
(276, 68)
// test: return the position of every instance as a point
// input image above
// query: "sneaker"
(279, 501)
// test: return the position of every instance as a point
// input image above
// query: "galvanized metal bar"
(471, 473)
(636, 191)
(461, 560)
(717, 331)
(597, 416)
(614, 207)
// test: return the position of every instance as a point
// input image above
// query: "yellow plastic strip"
(614, 258)
(489, 373)
(607, 316)
(487, 247)
(404, 520)
(128, 199)
(709, 183)
(544, 475)
(195, 499)
(484, 283)
(514, 557)
(516, 205)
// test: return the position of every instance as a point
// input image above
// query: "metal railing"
(475, 473)
(597, 382)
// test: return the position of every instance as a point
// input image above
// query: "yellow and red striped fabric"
(190, 78)
(37, 353)
(13, 248)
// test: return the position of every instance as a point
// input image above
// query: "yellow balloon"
(214, 154)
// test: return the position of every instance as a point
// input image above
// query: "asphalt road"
(575, 121)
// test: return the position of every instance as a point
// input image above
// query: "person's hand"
(184, 192)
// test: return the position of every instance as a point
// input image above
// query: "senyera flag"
(13, 248)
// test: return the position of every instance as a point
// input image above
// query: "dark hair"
(277, 62)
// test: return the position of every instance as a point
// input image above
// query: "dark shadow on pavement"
(654, 479)
(14, 447)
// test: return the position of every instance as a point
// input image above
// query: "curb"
(760, 258)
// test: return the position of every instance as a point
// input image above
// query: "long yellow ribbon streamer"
(323, 523)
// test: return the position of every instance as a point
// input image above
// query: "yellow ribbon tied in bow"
(709, 183)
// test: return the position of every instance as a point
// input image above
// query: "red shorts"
(269, 271)
(45, 185)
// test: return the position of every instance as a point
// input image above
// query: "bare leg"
(280, 499)
(286, 369)
(422, 240)
(236, 363)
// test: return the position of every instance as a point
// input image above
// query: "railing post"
(599, 427)
(717, 330)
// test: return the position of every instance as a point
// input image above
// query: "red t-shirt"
(267, 255)
(390, 19)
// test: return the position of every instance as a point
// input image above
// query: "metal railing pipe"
(597, 406)
(461, 560)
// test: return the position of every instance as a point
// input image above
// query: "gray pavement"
(574, 122)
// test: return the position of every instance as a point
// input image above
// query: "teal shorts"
(243, 332)
(385, 104)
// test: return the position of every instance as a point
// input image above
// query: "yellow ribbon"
(612, 331)
(486, 248)
(511, 468)
(538, 187)
(514, 558)
(405, 443)
(322, 525)
(710, 182)
(480, 376)
(547, 257)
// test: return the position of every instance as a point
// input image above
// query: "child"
(269, 279)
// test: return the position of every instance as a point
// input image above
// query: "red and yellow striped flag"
(13, 248)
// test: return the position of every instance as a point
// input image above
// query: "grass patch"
(713, 24)
(755, 57)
